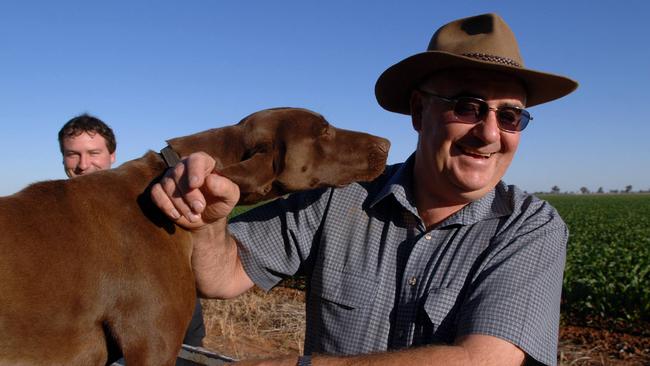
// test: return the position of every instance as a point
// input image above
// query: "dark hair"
(87, 123)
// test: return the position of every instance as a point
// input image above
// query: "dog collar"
(170, 156)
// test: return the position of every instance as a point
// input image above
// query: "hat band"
(494, 59)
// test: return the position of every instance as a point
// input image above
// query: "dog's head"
(311, 153)
(277, 151)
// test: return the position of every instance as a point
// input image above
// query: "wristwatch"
(304, 360)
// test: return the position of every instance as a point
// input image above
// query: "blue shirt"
(379, 280)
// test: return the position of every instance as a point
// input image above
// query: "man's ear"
(113, 158)
(416, 110)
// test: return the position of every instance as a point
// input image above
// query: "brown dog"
(89, 266)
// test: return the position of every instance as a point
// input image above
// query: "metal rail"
(195, 356)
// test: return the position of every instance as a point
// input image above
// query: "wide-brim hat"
(482, 42)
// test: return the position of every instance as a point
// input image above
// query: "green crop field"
(607, 276)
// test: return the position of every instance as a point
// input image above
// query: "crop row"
(607, 275)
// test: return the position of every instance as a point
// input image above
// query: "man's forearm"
(429, 356)
(468, 350)
(215, 262)
(472, 350)
(432, 355)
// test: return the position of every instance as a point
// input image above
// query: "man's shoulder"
(527, 209)
(519, 200)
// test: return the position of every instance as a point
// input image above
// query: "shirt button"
(428, 236)
(413, 281)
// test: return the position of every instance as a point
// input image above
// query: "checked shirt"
(379, 280)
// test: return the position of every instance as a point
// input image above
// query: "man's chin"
(474, 189)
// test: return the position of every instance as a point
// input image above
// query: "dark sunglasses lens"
(512, 119)
(470, 110)
(509, 118)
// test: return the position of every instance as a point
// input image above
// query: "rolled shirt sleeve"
(276, 239)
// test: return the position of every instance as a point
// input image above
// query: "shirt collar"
(495, 203)
(399, 185)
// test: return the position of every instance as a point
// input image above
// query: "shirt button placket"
(410, 293)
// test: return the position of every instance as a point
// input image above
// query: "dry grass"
(256, 324)
(570, 355)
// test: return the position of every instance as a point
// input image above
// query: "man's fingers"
(163, 202)
(199, 166)
(221, 194)
(166, 205)
(222, 188)
(188, 202)
(180, 180)
(180, 192)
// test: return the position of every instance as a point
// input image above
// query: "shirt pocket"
(339, 320)
(438, 323)
(353, 291)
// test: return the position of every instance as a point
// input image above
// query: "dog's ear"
(258, 131)
(254, 176)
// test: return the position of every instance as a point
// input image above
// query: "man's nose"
(84, 162)
(488, 129)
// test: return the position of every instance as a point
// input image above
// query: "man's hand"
(193, 195)
(200, 200)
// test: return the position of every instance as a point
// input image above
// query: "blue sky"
(154, 70)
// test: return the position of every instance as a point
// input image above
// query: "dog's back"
(81, 261)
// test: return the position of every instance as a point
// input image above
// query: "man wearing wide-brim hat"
(437, 261)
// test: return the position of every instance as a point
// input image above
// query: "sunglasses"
(474, 110)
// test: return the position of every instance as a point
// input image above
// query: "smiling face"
(85, 153)
(456, 162)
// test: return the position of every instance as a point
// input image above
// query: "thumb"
(221, 196)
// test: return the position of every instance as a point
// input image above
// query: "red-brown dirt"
(589, 346)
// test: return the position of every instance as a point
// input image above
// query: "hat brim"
(394, 86)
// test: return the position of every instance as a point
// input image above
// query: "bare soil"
(259, 325)
(589, 346)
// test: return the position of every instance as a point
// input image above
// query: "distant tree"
(613, 191)
(584, 190)
(555, 189)
(600, 190)
(628, 188)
